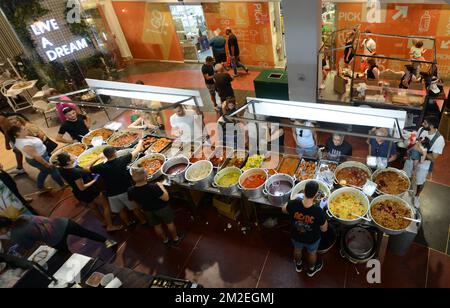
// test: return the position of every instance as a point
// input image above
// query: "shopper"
(5, 125)
(369, 49)
(117, 179)
(60, 106)
(223, 83)
(218, 44)
(416, 52)
(436, 143)
(208, 75)
(337, 147)
(76, 125)
(228, 108)
(186, 124)
(34, 131)
(407, 76)
(148, 120)
(84, 189)
(29, 231)
(379, 147)
(36, 155)
(308, 221)
(326, 68)
(349, 51)
(233, 48)
(373, 72)
(153, 199)
(12, 203)
(306, 139)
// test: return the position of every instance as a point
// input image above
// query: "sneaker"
(177, 242)
(234, 75)
(166, 242)
(417, 202)
(322, 86)
(17, 171)
(311, 272)
(110, 243)
(298, 266)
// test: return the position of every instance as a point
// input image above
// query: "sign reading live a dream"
(52, 36)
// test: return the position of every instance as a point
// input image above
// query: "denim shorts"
(311, 248)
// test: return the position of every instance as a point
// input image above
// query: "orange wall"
(391, 22)
(250, 23)
(149, 30)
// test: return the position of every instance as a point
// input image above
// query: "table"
(14, 92)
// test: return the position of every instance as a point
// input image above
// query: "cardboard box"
(233, 215)
(228, 207)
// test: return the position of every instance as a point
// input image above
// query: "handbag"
(50, 145)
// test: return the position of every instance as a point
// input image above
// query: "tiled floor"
(216, 256)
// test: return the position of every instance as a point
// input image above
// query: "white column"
(116, 29)
(303, 27)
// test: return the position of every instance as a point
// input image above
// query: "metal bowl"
(352, 164)
(391, 198)
(155, 175)
(252, 193)
(362, 198)
(301, 186)
(200, 183)
(278, 199)
(63, 149)
(179, 177)
(229, 190)
(401, 173)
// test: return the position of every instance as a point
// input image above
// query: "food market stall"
(260, 178)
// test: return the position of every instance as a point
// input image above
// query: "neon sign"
(40, 28)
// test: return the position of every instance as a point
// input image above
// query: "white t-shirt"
(438, 145)
(32, 142)
(416, 52)
(305, 137)
(369, 46)
(190, 125)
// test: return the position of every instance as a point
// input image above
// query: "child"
(416, 53)
(418, 152)
(153, 199)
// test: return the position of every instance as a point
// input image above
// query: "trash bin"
(272, 84)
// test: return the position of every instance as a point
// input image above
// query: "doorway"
(190, 24)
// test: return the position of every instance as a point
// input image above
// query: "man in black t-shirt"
(76, 125)
(153, 199)
(223, 83)
(208, 75)
(117, 179)
(336, 147)
(308, 221)
(233, 48)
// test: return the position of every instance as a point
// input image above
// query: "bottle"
(425, 20)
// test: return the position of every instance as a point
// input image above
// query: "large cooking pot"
(252, 193)
(230, 190)
(177, 160)
(156, 174)
(392, 198)
(301, 187)
(278, 189)
(401, 173)
(359, 194)
(203, 182)
(358, 244)
(351, 164)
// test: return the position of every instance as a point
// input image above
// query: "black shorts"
(220, 57)
(348, 52)
(164, 215)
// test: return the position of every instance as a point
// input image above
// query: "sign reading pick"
(53, 52)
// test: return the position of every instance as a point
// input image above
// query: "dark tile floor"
(217, 256)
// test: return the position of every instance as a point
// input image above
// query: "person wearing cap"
(223, 83)
(60, 106)
(76, 125)
(233, 48)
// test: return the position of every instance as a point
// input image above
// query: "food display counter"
(271, 178)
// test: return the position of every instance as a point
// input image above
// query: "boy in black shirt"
(76, 125)
(307, 222)
(153, 199)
